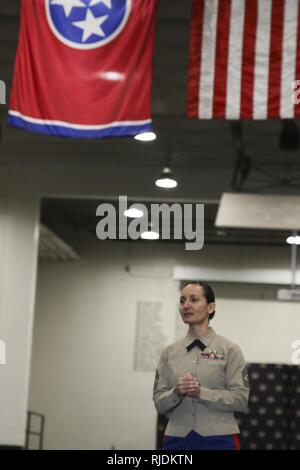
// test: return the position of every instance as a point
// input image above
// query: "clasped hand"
(187, 384)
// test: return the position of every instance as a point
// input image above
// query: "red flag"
(84, 67)
(244, 59)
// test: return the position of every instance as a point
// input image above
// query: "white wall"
(257, 265)
(83, 351)
(84, 382)
(18, 259)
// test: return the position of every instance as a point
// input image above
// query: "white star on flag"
(91, 25)
(107, 3)
(68, 5)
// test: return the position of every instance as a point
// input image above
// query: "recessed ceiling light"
(133, 213)
(293, 240)
(166, 181)
(146, 136)
(150, 235)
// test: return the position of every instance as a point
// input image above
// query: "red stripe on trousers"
(248, 59)
(236, 441)
(297, 77)
(275, 59)
(221, 60)
(196, 31)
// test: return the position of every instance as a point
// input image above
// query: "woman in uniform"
(201, 380)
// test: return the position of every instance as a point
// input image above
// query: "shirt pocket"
(212, 373)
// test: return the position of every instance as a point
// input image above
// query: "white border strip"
(207, 70)
(77, 126)
(234, 65)
(289, 53)
(262, 54)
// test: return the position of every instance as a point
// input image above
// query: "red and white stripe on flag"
(244, 59)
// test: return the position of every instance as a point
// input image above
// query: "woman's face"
(193, 305)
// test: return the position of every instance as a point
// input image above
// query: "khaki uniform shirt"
(224, 388)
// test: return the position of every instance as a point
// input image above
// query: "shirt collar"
(206, 338)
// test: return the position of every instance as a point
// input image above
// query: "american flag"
(244, 59)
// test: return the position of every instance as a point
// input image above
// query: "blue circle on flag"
(87, 24)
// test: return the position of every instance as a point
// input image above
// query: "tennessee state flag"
(84, 67)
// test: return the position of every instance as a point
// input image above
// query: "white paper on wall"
(150, 339)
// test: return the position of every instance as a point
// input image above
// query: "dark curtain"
(273, 418)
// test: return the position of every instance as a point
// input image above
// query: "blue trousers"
(194, 441)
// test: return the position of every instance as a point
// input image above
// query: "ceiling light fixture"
(134, 213)
(293, 240)
(150, 234)
(146, 137)
(166, 181)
